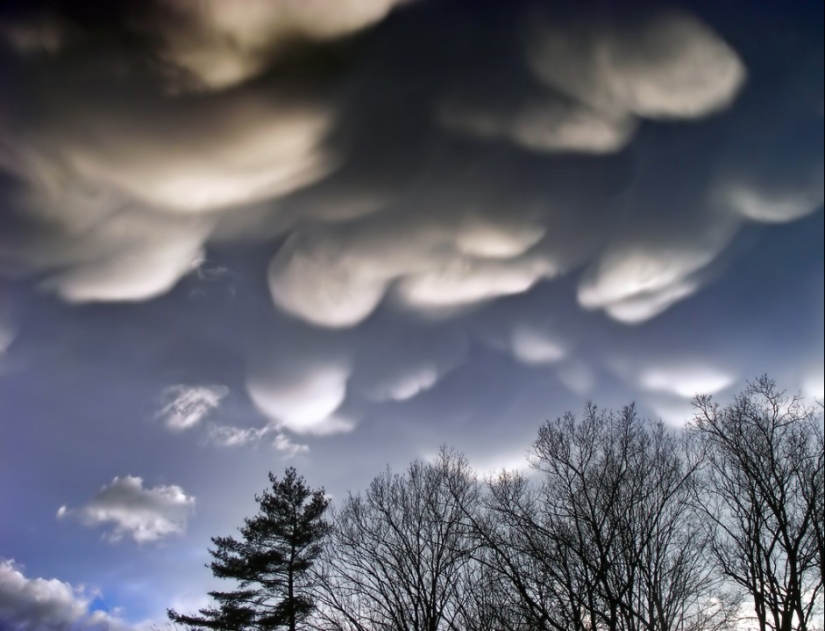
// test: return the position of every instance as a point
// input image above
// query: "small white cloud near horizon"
(38, 604)
(186, 406)
(142, 514)
(813, 384)
(687, 380)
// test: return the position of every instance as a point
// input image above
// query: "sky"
(335, 235)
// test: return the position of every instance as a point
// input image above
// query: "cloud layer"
(130, 510)
(536, 157)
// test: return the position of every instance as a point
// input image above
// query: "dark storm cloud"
(444, 162)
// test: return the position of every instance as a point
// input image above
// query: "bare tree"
(609, 540)
(762, 499)
(400, 556)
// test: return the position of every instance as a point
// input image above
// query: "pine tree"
(270, 562)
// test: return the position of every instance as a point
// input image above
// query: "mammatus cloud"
(302, 400)
(129, 191)
(37, 604)
(125, 192)
(758, 202)
(544, 124)
(638, 277)
(667, 66)
(222, 43)
(130, 510)
(187, 406)
(337, 280)
(604, 76)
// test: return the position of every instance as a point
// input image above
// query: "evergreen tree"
(270, 562)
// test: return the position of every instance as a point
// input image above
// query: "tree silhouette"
(400, 555)
(762, 500)
(271, 562)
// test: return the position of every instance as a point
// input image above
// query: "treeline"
(622, 524)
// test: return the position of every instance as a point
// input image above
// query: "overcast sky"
(239, 236)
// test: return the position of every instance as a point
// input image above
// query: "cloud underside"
(499, 174)
(127, 509)
(37, 604)
(132, 190)
(608, 77)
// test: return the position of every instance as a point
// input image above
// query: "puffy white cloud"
(144, 514)
(668, 66)
(37, 604)
(223, 43)
(186, 406)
